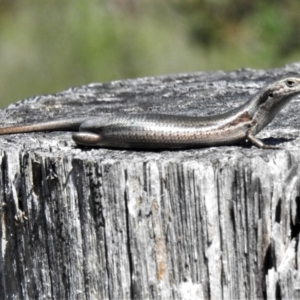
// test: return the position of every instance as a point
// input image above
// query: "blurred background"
(48, 46)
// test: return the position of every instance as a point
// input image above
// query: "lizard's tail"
(56, 125)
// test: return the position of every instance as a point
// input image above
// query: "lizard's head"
(280, 92)
(284, 88)
(273, 98)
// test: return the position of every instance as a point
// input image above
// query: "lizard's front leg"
(255, 141)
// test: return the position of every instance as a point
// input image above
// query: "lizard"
(162, 131)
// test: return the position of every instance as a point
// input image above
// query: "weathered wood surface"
(213, 223)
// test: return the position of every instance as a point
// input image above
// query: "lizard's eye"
(290, 83)
(271, 94)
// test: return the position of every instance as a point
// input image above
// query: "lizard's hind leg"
(87, 139)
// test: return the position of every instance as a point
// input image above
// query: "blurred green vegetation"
(48, 46)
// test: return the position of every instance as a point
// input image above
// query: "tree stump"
(211, 223)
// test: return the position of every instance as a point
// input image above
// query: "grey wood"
(211, 223)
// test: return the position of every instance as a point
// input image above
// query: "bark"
(211, 223)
